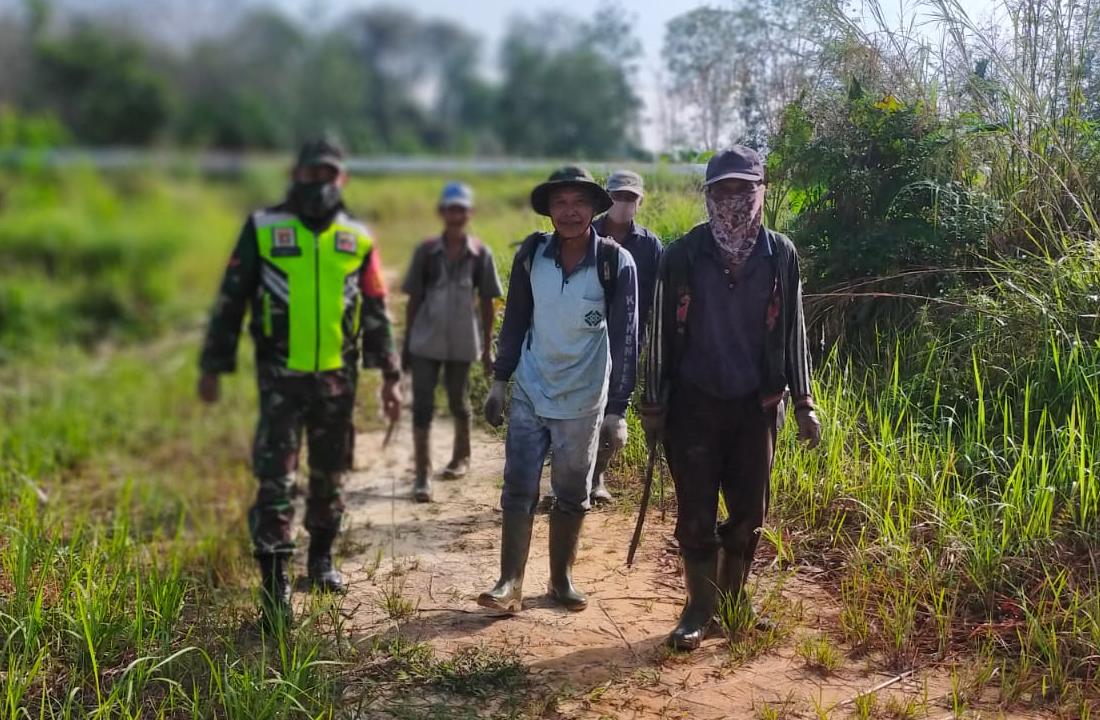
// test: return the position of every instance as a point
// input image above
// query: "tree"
(735, 69)
(567, 86)
(242, 89)
(420, 78)
(15, 57)
(703, 69)
(103, 87)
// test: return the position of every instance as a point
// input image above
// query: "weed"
(821, 709)
(819, 653)
(393, 602)
(905, 708)
(865, 706)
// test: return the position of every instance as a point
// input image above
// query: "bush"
(89, 260)
(873, 191)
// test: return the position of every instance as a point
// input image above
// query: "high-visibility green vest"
(316, 276)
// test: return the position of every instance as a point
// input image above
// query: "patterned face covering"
(735, 223)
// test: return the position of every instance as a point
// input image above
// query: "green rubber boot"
(422, 482)
(702, 599)
(515, 543)
(460, 460)
(565, 533)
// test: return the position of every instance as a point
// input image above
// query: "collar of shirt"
(600, 225)
(553, 250)
(763, 245)
(467, 246)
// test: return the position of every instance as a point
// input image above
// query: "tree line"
(382, 79)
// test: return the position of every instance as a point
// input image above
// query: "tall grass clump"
(89, 258)
(942, 193)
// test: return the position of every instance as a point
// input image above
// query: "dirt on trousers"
(607, 661)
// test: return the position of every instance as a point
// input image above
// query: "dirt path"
(606, 661)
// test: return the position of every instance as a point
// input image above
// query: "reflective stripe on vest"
(316, 275)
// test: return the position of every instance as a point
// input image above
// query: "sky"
(489, 18)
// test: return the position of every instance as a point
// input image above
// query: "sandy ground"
(605, 661)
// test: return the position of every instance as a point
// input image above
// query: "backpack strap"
(607, 261)
(607, 265)
(680, 259)
(477, 250)
(428, 269)
(527, 249)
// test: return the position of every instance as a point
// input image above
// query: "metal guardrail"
(231, 163)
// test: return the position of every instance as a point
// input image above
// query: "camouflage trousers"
(321, 405)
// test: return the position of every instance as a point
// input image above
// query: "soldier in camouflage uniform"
(310, 249)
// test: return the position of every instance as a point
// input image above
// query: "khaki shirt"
(447, 325)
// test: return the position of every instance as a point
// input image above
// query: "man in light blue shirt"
(570, 338)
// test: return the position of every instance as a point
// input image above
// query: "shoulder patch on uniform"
(353, 224)
(284, 242)
(347, 242)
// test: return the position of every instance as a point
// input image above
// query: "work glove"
(653, 422)
(613, 433)
(494, 404)
(809, 427)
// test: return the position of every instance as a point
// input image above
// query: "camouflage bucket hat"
(575, 176)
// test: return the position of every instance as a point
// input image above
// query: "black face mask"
(315, 200)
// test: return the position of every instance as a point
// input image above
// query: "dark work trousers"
(425, 376)
(321, 404)
(714, 444)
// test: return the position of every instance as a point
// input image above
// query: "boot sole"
(680, 645)
(488, 601)
(570, 606)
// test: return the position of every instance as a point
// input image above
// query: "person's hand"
(391, 399)
(613, 432)
(209, 391)
(487, 361)
(809, 427)
(494, 404)
(653, 422)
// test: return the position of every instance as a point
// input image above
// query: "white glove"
(613, 432)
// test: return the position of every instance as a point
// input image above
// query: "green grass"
(954, 500)
(819, 653)
(126, 583)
